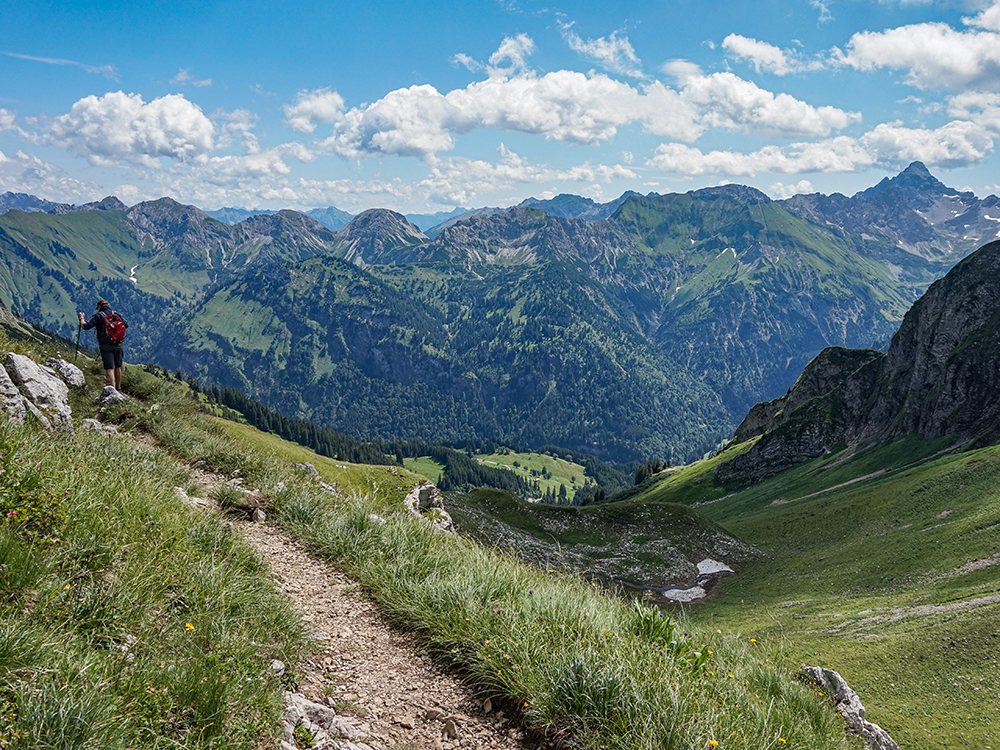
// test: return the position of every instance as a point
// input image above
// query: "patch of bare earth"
(367, 669)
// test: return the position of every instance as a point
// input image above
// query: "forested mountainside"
(648, 333)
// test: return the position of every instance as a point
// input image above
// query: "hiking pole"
(78, 332)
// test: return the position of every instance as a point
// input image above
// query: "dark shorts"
(112, 355)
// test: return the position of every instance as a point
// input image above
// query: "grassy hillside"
(884, 567)
(135, 622)
(127, 619)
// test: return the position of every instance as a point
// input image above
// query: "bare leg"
(110, 376)
(118, 378)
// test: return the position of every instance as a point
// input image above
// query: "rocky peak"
(914, 181)
(378, 236)
(110, 203)
(941, 376)
(742, 194)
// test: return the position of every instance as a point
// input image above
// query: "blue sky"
(424, 106)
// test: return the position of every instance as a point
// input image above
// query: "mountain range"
(643, 327)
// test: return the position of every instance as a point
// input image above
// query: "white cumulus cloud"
(888, 145)
(733, 103)
(22, 172)
(761, 55)
(462, 181)
(802, 187)
(312, 107)
(934, 55)
(562, 105)
(120, 127)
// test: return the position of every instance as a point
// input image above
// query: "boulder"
(425, 502)
(72, 374)
(11, 400)
(306, 468)
(111, 395)
(43, 387)
(849, 706)
(101, 429)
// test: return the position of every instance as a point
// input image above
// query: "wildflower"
(188, 626)
(466, 619)
(781, 740)
(713, 743)
(753, 640)
(820, 693)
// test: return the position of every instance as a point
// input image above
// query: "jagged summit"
(733, 192)
(915, 181)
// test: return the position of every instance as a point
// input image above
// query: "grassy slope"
(575, 661)
(565, 473)
(891, 580)
(127, 619)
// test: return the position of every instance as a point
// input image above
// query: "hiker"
(110, 329)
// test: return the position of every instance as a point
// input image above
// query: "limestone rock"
(321, 722)
(11, 399)
(101, 429)
(307, 469)
(72, 374)
(939, 377)
(425, 502)
(111, 395)
(48, 392)
(849, 706)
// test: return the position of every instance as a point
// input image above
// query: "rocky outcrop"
(72, 374)
(425, 502)
(941, 376)
(317, 725)
(43, 388)
(849, 706)
(828, 370)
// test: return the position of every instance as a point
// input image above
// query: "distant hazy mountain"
(577, 207)
(435, 230)
(426, 221)
(330, 217)
(25, 202)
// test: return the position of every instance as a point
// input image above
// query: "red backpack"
(114, 328)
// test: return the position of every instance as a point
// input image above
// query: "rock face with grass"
(850, 707)
(941, 376)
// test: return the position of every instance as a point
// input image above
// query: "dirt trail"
(367, 669)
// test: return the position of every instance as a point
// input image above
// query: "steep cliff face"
(829, 369)
(941, 376)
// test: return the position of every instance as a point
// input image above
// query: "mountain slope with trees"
(647, 333)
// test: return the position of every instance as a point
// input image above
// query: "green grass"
(128, 619)
(893, 581)
(562, 473)
(580, 664)
(425, 466)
